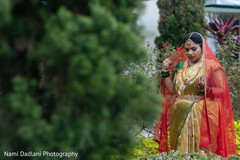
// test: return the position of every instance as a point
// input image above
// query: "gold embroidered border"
(190, 97)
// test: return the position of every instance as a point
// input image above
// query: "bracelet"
(165, 74)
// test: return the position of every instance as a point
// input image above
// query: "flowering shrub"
(166, 51)
(158, 56)
(151, 64)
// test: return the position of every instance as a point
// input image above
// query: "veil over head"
(216, 89)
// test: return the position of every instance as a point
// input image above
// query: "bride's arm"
(168, 82)
(218, 82)
(169, 85)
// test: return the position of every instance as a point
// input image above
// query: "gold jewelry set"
(186, 80)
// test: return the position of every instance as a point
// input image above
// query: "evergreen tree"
(179, 17)
(61, 78)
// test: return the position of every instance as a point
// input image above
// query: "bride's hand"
(166, 63)
(200, 81)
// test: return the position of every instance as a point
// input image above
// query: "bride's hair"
(195, 37)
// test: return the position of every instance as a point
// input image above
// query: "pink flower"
(177, 48)
(148, 44)
(165, 53)
(164, 45)
(222, 62)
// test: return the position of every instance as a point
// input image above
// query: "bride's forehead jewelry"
(189, 40)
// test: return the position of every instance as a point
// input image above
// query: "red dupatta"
(216, 89)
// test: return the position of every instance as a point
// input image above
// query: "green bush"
(62, 84)
(151, 63)
(179, 17)
(227, 55)
(145, 147)
(150, 66)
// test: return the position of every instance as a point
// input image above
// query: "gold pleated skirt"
(185, 126)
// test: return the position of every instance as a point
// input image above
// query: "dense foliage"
(179, 17)
(228, 56)
(62, 83)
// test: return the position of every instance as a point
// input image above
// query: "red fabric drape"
(217, 90)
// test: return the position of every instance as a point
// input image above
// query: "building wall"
(149, 20)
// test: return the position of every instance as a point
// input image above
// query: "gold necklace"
(187, 81)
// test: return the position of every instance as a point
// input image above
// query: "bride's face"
(193, 51)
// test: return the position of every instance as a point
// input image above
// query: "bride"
(197, 111)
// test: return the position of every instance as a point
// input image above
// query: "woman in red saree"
(197, 111)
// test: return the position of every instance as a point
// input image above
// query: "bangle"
(165, 74)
